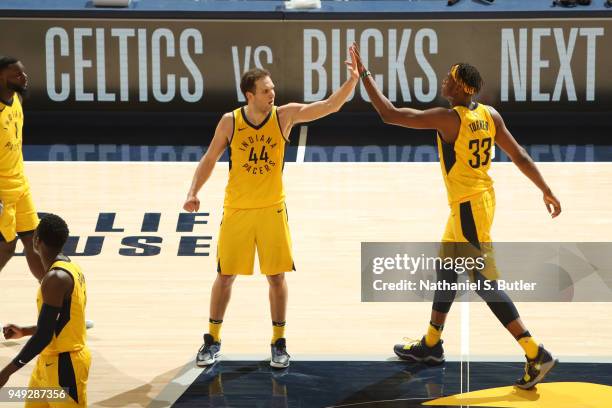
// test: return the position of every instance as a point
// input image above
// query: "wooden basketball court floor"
(150, 311)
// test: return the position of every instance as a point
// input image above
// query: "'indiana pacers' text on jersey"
(256, 159)
(465, 164)
(11, 125)
(69, 333)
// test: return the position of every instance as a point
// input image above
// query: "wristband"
(364, 74)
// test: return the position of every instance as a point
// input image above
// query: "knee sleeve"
(499, 302)
(443, 299)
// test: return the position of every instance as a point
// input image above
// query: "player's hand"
(352, 64)
(354, 50)
(192, 203)
(12, 332)
(552, 204)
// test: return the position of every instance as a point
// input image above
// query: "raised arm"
(522, 160)
(223, 133)
(294, 113)
(444, 120)
(56, 285)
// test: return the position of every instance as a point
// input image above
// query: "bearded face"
(15, 79)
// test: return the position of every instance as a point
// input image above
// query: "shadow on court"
(391, 384)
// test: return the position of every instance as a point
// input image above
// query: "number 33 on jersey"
(465, 164)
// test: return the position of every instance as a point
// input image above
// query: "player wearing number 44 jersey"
(466, 134)
(254, 211)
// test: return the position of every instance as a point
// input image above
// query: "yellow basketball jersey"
(465, 164)
(256, 161)
(11, 126)
(70, 329)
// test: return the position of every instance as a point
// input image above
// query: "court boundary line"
(465, 344)
(301, 150)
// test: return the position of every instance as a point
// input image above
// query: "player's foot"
(418, 351)
(280, 357)
(89, 324)
(536, 369)
(209, 351)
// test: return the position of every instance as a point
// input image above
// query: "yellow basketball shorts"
(243, 230)
(66, 370)
(18, 213)
(468, 231)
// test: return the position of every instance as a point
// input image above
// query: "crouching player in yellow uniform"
(59, 336)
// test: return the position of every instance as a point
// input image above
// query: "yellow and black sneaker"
(536, 369)
(418, 351)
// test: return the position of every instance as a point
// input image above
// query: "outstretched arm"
(442, 119)
(522, 160)
(224, 130)
(294, 113)
(56, 285)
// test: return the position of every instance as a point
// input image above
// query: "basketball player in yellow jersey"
(59, 336)
(18, 217)
(466, 134)
(254, 212)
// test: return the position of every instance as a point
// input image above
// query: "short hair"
(53, 231)
(247, 82)
(5, 61)
(470, 76)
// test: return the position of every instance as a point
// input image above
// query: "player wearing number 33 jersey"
(465, 167)
(466, 134)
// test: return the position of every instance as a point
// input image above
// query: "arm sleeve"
(47, 319)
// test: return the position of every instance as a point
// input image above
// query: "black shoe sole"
(430, 361)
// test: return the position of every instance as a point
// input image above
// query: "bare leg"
(516, 327)
(438, 317)
(220, 295)
(278, 297)
(33, 259)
